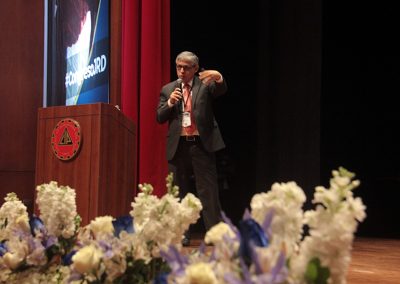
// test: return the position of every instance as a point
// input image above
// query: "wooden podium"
(103, 170)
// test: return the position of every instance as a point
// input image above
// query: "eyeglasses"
(185, 67)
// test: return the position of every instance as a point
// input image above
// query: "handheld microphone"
(179, 86)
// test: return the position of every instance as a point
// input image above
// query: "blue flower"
(161, 278)
(251, 235)
(67, 259)
(3, 248)
(123, 223)
(36, 225)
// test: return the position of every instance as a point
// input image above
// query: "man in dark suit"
(193, 133)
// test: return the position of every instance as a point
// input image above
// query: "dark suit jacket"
(202, 107)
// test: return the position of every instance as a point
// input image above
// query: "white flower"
(37, 255)
(87, 259)
(13, 217)
(332, 226)
(102, 225)
(357, 207)
(216, 233)
(200, 273)
(57, 209)
(167, 214)
(15, 232)
(285, 200)
(13, 260)
(142, 207)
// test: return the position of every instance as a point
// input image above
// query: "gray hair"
(189, 57)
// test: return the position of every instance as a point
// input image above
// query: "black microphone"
(179, 86)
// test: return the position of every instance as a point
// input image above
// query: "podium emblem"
(66, 139)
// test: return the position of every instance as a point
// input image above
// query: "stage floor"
(373, 260)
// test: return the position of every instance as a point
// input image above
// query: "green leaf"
(315, 273)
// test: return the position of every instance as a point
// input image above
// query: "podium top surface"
(97, 109)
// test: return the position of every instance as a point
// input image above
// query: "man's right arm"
(165, 107)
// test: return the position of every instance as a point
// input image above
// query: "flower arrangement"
(32, 245)
(128, 250)
(53, 248)
(268, 245)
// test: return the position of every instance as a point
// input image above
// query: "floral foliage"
(36, 244)
(53, 248)
(269, 244)
(132, 255)
(332, 226)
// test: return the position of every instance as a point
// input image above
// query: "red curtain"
(145, 68)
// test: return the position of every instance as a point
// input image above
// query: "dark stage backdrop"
(311, 88)
(360, 118)
(269, 54)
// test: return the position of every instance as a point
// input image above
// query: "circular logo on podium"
(66, 139)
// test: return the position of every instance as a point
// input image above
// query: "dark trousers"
(192, 164)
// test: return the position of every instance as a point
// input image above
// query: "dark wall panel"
(21, 60)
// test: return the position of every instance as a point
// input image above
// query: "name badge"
(186, 122)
